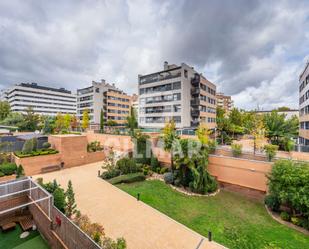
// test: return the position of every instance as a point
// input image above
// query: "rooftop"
(36, 86)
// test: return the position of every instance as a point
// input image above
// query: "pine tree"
(70, 208)
(102, 121)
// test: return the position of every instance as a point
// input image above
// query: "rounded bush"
(168, 178)
(272, 202)
(285, 216)
(46, 145)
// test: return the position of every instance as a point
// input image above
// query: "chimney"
(165, 65)
(102, 81)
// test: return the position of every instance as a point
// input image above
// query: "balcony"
(195, 91)
(195, 123)
(195, 112)
(196, 80)
(195, 102)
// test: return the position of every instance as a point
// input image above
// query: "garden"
(30, 149)
(8, 167)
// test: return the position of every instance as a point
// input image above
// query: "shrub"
(168, 178)
(212, 145)
(271, 151)
(1, 174)
(304, 223)
(236, 149)
(46, 145)
(272, 202)
(8, 168)
(27, 147)
(289, 182)
(295, 221)
(20, 171)
(285, 216)
(147, 170)
(59, 199)
(94, 146)
(127, 165)
(163, 170)
(154, 163)
(129, 178)
(110, 173)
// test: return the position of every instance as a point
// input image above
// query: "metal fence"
(12, 143)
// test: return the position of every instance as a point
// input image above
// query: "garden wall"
(242, 172)
(117, 142)
(33, 165)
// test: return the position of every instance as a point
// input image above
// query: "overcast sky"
(252, 50)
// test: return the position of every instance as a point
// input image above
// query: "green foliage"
(30, 121)
(142, 147)
(48, 125)
(132, 121)
(14, 119)
(108, 243)
(191, 160)
(285, 216)
(67, 121)
(59, 199)
(46, 145)
(236, 149)
(289, 182)
(85, 120)
(1, 174)
(8, 168)
(29, 146)
(272, 202)
(111, 122)
(36, 153)
(4, 109)
(101, 120)
(20, 171)
(271, 151)
(154, 163)
(295, 221)
(128, 178)
(110, 173)
(70, 207)
(127, 165)
(94, 146)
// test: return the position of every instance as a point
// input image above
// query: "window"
(176, 85)
(186, 73)
(176, 96)
(97, 90)
(177, 108)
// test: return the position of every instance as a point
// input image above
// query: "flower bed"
(36, 153)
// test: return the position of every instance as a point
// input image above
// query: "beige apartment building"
(179, 93)
(304, 106)
(225, 102)
(103, 96)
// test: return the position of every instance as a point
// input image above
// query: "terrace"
(27, 210)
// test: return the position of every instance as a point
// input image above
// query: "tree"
(255, 127)
(67, 121)
(132, 121)
(203, 133)
(142, 147)
(85, 121)
(283, 109)
(169, 138)
(4, 109)
(59, 123)
(59, 199)
(111, 122)
(47, 128)
(74, 122)
(102, 121)
(30, 120)
(70, 208)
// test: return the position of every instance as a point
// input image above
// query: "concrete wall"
(242, 172)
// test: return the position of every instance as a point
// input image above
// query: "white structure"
(43, 100)
(304, 106)
(178, 93)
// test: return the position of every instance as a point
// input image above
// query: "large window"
(162, 88)
(163, 98)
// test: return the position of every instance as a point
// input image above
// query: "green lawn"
(11, 240)
(235, 221)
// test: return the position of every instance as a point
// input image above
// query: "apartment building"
(101, 95)
(42, 99)
(225, 102)
(179, 93)
(304, 106)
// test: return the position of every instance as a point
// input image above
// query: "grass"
(11, 240)
(235, 221)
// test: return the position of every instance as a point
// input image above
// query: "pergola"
(21, 187)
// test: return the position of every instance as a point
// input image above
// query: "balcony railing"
(195, 91)
(195, 102)
(196, 80)
(158, 77)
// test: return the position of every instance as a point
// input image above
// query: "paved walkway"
(123, 216)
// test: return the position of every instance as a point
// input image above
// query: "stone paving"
(123, 216)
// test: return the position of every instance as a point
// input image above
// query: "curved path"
(123, 216)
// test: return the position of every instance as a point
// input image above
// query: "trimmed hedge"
(8, 168)
(36, 153)
(129, 178)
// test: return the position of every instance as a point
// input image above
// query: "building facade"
(225, 102)
(43, 100)
(103, 96)
(304, 106)
(179, 93)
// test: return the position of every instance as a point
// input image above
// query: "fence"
(12, 143)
